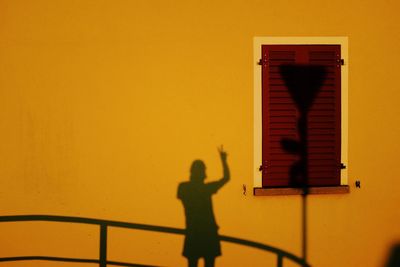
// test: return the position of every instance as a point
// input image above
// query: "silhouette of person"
(201, 239)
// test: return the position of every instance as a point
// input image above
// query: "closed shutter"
(301, 115)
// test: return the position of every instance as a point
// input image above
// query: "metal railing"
(103, 227)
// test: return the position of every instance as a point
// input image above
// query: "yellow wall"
(105, 104)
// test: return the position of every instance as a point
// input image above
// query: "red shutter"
(281, 115)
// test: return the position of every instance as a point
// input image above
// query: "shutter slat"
(283, 132)
(319, 143)
(287, 107)
(282, 100)
(319, 131)
(283, 156)
(312, 156)
(322, 125)
(287, 125)
(280, 119)
(322, 162)
(316, 119)
(316, 150)
(317, 169)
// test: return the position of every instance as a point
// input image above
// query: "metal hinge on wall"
(262, 61)
(263, 166)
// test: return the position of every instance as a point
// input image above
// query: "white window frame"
(257, 115)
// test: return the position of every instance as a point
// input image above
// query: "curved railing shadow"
(104, 224)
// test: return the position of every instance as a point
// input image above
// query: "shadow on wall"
(201, 237)
(303, 83)
(394, 256)
(201, 234)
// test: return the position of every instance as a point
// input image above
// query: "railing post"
(280, 261)
(103, 245)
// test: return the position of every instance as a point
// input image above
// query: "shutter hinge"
(342, 166)
(261, 168)
(262, 61)
(341, 61)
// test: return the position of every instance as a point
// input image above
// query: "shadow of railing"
(103, 227)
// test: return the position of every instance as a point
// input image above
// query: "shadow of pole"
(303, 83)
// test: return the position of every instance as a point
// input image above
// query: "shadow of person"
(201, 239)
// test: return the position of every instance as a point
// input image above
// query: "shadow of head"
(198, 171)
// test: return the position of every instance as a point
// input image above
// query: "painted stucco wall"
(105, 104)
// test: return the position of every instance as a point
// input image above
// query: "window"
(301, 112)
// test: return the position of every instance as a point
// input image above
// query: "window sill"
(259, 191)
